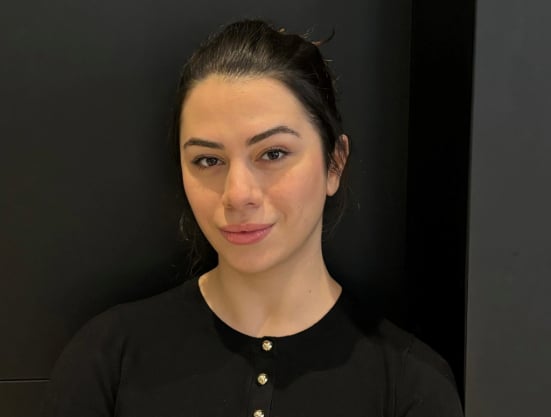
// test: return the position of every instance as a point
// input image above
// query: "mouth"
(245, 234)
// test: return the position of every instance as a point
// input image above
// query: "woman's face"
(254, 172)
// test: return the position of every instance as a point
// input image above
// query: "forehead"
(219, 102)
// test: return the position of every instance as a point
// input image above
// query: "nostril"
(241, 189)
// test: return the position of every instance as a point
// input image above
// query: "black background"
(90, 197)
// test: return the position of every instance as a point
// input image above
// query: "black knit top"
(171, 356)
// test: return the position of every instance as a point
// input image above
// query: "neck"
(277, 302)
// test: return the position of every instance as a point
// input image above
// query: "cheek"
(197, 197)
(302, 188)
(312, 180)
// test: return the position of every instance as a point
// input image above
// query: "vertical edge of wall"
(438, 168)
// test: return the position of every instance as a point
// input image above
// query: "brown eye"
(274, 154)
(206, 161)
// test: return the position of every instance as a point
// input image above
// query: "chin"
(249, 264)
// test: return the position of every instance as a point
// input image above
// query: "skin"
(279, 285)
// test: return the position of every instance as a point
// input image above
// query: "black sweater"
(170, 356)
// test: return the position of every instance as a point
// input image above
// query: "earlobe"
(340, 156)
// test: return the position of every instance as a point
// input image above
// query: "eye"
(206, 161)
(274, 154)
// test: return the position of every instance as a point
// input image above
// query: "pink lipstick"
(245, 234)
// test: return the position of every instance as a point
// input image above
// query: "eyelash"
(202, 159)
(282, 152)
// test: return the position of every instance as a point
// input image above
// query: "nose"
(241, 188)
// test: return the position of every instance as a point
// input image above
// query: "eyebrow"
(251, 141)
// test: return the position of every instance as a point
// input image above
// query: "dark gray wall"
(89, 193)
(438, 171)
(509, 314)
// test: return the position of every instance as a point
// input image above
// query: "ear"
(340, 156)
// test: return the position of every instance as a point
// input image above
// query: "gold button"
(258, 413)
(267, 345)
(262, 378)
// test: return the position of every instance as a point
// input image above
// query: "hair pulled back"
(254, 48)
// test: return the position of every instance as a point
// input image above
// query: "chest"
(261, 378)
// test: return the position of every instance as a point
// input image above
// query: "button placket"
(263, 367)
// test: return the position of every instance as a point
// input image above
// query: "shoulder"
(138, 324)
(89, 370)
(111, 329)
(423, 382)
(126, 317)
(419, 381)
(411, 351)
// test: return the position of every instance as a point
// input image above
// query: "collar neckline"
(323, 327)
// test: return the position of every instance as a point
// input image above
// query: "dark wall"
(89, 193)
(438, 168)
(509, 314)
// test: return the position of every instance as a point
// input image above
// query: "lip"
(245, 234)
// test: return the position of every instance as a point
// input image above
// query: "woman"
(268, 331)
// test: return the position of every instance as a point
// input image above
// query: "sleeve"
(427, 386)
(85, 379)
